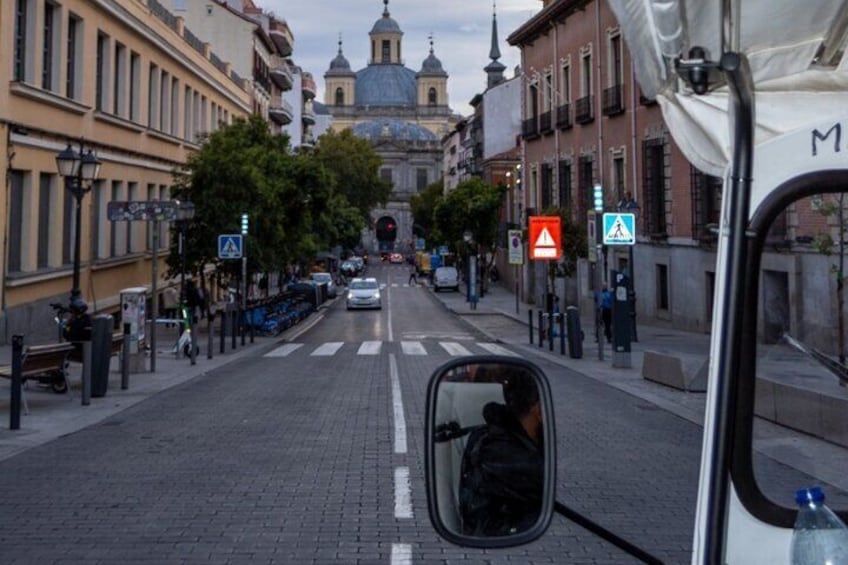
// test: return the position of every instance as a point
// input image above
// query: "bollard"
(562, 334)
(210, 338)
(530, 320)
(233, 327)
(86, 373)
(242, 325)
(551, 331)
(17, 370)
(541, 330)
(193, 344)
(223, 331)
(125, 358)
(252, 332)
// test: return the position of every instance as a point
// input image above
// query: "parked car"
(364, 293)
(325, 278)
(446, 277)
(395, 258)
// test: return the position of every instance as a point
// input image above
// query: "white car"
(445, 277)
(325, 278)
(364, 293)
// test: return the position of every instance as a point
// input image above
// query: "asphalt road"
(312, 453)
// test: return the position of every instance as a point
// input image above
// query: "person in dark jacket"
(502, 469)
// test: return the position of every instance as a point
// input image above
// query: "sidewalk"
(807, 387)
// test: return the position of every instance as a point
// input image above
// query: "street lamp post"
(629, 205)
(185, 213)
(80, 171)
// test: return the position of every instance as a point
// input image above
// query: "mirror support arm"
(604, 533)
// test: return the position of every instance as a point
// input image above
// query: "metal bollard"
(530, 320)
(541, 329)
(233, 327)
(562, 334)
(86, 373)
(210, 338)
(242, 325)
(551, 331)
(17, 369)
(125, 358)
(223, 331)
(193, 345)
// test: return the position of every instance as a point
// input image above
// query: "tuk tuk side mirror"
(490, 452)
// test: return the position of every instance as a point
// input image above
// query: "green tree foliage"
(473, 205)
(356, 169)
(423, 206)
(835, 209)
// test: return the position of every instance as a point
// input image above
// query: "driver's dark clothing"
(500, 488)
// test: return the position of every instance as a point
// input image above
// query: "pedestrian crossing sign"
(619, 229)
(230, 246)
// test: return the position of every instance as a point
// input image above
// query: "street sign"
(443, 250)
(230, 246)
(545, 236)
(516, 250)
(142, 210)
(619, 229)
(420, 244)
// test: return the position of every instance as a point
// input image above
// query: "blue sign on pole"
(619, 229)
(230, 246)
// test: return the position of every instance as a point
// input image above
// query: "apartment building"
(585, 123)
(127, 80)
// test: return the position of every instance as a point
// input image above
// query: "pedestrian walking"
(413, 275)
(606, 312)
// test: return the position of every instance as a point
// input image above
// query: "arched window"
(339, 96)
(431, 96)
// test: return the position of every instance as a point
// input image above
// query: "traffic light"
(599, 198)
(244, 224)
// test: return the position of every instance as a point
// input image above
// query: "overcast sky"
(462, 31)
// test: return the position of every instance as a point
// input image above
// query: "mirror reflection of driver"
(502, 470)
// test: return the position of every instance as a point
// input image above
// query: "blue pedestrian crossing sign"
(619, 229)
(230, 246)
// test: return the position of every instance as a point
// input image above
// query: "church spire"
(495, 69)
(386, 9)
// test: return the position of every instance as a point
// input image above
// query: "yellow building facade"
(127, 80)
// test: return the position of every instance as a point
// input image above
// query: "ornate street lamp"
(80, 172)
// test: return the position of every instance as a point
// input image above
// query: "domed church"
(403, 113)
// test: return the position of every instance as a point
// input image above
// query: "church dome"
(386, 85)
(394, 130)
(386, 24)
(432, 66)
(340, 65)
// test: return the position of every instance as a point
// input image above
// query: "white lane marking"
(403, 493)
(327, 349)
(496, 349)
(412, 348)
(389, 314)
(397, 406)
(401, 554)
(455, 349)
(283, 350)
(395, 285)
(370, 348)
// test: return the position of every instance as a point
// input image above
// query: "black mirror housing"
(490, 456)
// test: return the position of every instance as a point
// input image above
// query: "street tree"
(356, 168)
(423, 206)
(834, 210)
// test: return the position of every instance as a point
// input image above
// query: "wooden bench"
(39, 360)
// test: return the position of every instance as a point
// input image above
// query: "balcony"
(281, 73)
(613, 100)
(308, 86)
(563, 117)
(308, 116)
(282, 37)
(583, 113)
(530, 128)
(545, 122)
(281, 112)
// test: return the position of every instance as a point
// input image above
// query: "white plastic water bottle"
(819, 537)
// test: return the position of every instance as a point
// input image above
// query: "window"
(431, 97)
(119, 86)
(547, 186)
(135, 81)
(548, 102)
(164, 101)
(48, 51)
(97, 204)
(565, 83)
(21, 25)
(421, 179)
(16, 221)
(45, 189)
(564, 179)
(152, 96)
(73, 53)
(102, 78)
(386, 174)
(614, 94)
(132, 195)
(586, 74)
(706, 204)
(654, 181)
(203, 115)
(387, 51)
(148, 238)
(662, 286)
(187, 114)
(175, 104)
(339, 96)
(618, 177)
(195, 117)
(113, 226)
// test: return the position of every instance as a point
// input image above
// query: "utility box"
(134, 313)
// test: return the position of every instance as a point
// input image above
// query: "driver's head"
(520, 392)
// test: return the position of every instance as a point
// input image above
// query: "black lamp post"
(185, 213)
(80, 171)
(630, 206)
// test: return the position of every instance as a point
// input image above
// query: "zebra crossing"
(452, 348)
